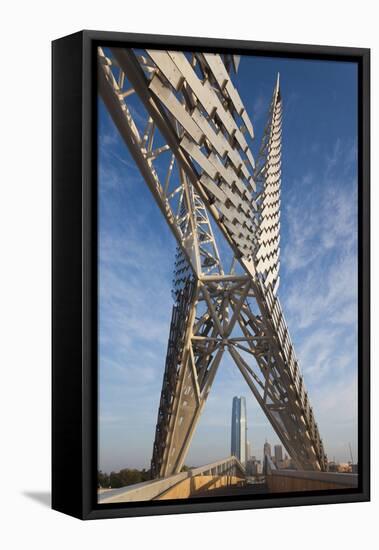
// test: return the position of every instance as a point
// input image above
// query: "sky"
(318, 288)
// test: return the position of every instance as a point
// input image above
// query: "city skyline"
(128, 347)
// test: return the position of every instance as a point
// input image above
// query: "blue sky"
(318, 287)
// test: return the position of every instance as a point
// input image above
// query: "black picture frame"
(74, 273)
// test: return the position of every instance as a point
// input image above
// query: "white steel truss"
(190, 146)
(267, 175)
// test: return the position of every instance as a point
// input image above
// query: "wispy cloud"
(324, 295)
(319, 222)
(336, 409)
(321, 286)
(260, 107)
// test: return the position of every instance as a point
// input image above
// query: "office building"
(266, 449)
(278, 453)
(248, 450)
(239, 429)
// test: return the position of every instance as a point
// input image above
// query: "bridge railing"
(150, 490)
(306, 480)
(283, 480)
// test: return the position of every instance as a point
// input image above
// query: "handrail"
(148, 490)
(346, 479)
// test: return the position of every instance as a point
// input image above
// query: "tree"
(115, 480)
(103, 480)
(126, 476)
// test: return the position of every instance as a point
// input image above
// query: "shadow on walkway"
(247, 489)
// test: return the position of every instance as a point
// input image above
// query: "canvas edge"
(85, 506)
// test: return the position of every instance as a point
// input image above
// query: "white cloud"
(318, 357)
(320, 293)
(260, 107)
(316, 224)
(108, 137)
(326, 294)
(132, 280)
(336, 410)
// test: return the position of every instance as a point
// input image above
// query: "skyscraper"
(266, 449)
(278, 451)
(239, 429)
(248, 450)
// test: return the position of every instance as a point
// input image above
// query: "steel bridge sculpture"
(193, 153)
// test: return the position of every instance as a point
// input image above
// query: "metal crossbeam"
(189, 140)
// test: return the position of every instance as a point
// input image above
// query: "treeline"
(126, 476)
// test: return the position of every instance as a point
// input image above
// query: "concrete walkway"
(248, 489)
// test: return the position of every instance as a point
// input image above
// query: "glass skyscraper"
(239, 429)
(267, 450)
